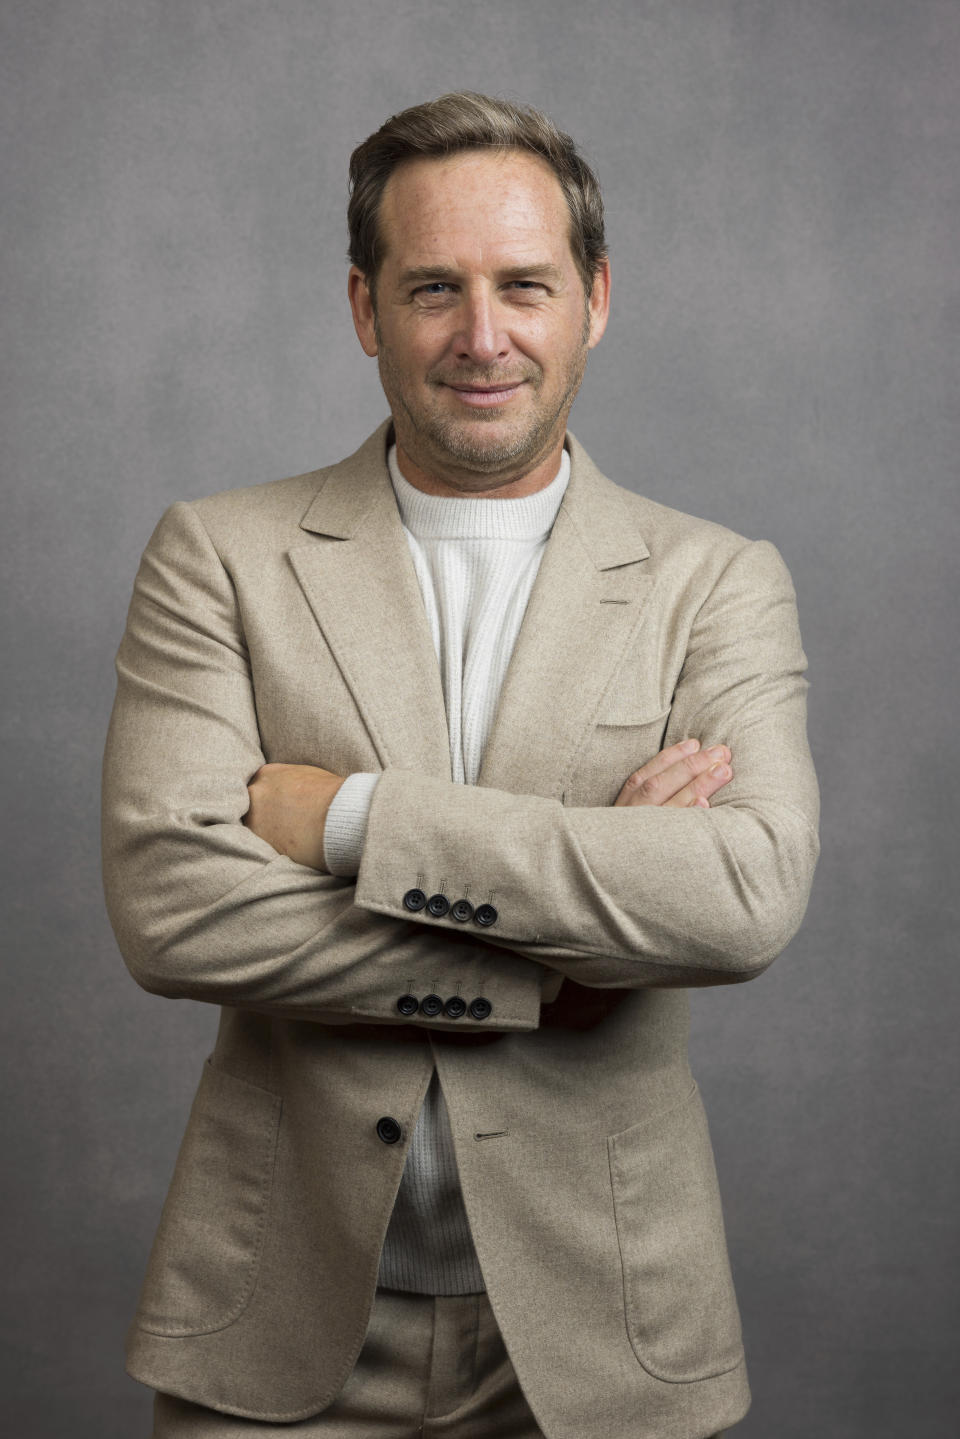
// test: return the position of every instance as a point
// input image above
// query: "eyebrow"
(541, 271)
(424, 274)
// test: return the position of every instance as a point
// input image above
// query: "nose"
(481, 338)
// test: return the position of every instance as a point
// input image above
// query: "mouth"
(482, 397)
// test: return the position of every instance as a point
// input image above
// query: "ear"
(361, 305)
(599, 305)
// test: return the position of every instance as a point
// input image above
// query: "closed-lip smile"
(485, 395)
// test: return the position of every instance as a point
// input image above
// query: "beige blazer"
(284, 622)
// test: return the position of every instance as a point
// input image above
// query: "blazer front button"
(462, 911)
(437, 905)
(480, 1008)
(431, 1005)
(455, 1007)
(414, 899)
(388, 1130)
(408, 1004)
(486, 915)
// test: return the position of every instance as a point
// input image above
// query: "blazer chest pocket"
(621, 739)
(205, 1258)
(681, 1310)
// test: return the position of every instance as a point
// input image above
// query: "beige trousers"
(430, 1368)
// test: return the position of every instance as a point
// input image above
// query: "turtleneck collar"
(450, 517)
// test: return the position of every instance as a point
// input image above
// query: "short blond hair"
(466, 120)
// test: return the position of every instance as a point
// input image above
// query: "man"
(444, 771)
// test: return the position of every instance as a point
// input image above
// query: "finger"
(700, 790)
(672, 755)
(663, 777)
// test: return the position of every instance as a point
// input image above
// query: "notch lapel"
(357, 574)
(587, 604)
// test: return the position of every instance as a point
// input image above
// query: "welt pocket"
(619, 713)
(618, 742)
(206, 1256)
(679, 1303)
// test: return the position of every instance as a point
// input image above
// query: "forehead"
(472, 206)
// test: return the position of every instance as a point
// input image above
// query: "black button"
(437, 905)
(462, 911)
(486, 915)
(455, 1007)
(388, 1130)
(414, 899)
(407, 1004)
(480, 1008)
(431, 1005)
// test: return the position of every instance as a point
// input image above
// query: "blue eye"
(528, 287)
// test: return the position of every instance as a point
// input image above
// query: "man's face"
(481, 326)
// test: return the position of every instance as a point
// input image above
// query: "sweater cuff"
(346, 825)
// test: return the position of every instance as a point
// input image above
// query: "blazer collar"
(586, 603)
(601, 513)
(356, 489)
(359, 489)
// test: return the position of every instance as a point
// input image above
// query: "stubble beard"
(433, 438)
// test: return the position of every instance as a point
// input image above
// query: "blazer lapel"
(357, 574)
(588, 602)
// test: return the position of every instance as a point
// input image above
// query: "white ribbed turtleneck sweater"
(476, 561)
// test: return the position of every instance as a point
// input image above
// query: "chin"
(488, 451)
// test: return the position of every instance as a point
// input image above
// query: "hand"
(288, 808)
(683, 776)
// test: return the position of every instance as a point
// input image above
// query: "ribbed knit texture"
(346, 824)
(476, 561)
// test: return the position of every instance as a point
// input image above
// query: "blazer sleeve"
(201, 907)
(626, 897)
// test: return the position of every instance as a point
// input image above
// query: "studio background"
(782, 189)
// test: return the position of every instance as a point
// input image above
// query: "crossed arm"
(214, 880)
(289, 802)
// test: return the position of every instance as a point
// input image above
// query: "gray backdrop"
(782, 185)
